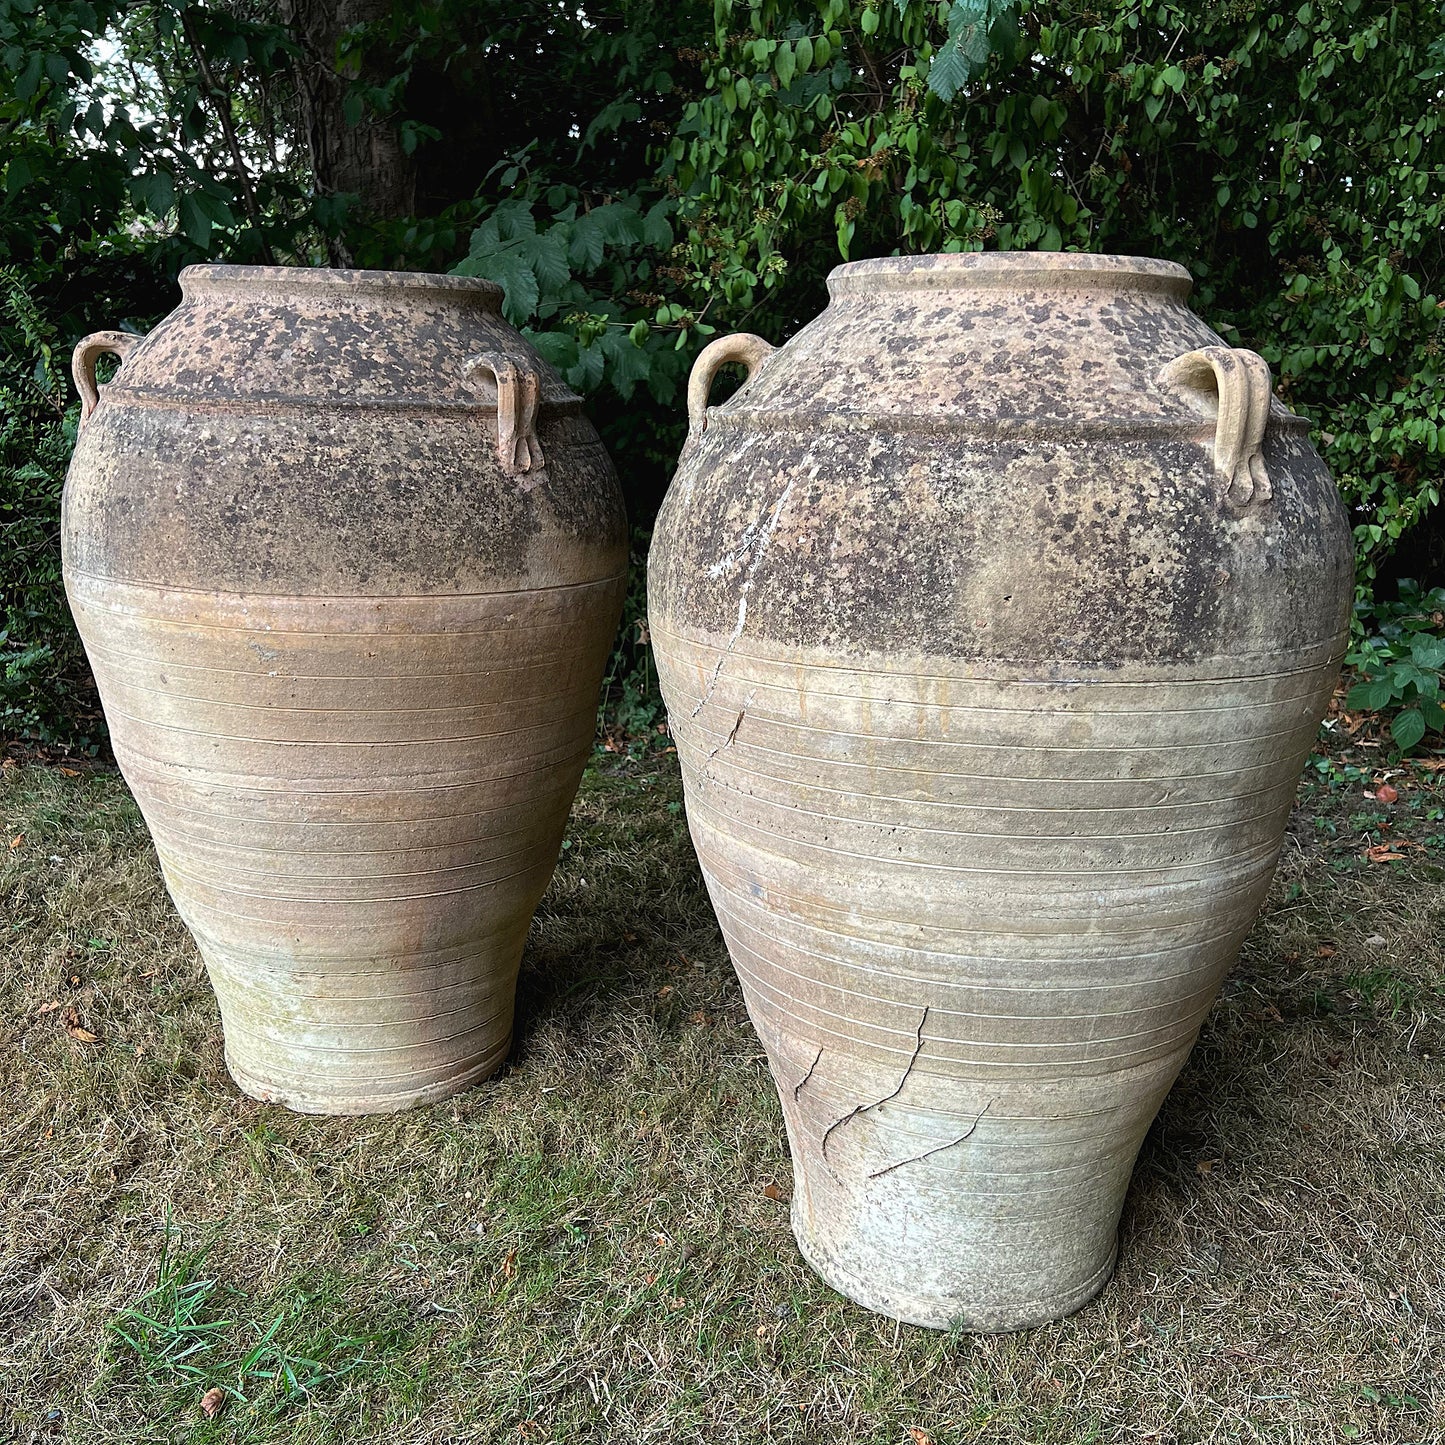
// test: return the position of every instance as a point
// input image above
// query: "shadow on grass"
(627, 917)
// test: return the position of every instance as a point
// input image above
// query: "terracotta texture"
(995, 616)
(347, 560)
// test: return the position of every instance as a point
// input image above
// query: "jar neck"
(1011, 271)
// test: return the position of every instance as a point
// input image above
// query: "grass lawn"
(594, 1246)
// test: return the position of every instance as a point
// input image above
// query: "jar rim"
(214, 276)
(1014, 269)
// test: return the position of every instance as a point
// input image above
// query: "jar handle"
(519, 393)
(751, 350)
(1233, 386)
(82, 364)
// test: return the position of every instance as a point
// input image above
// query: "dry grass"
(585, 1249)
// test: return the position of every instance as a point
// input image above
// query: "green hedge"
(46, 694)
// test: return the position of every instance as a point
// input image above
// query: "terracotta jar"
(347, 559)
(995, 616)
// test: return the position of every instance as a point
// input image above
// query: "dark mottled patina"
(952, 460)
(321, 432)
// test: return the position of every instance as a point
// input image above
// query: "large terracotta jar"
(995, 616)
(347, 560)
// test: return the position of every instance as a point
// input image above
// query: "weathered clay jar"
(347, 560)
(995, 616)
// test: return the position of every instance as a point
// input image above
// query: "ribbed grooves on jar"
(1135, 431)
(357, 803)
(558, 403)
(978, 919)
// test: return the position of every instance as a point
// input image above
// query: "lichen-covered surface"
(328, 436)
(336, 502)
(1049, 548)
(349, 654)
(948, 463)
(990, 704)
(991, 339)
(247, 333)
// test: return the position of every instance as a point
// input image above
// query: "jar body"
(992, 662)
(349, 652)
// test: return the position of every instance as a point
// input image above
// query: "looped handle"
(751, 350)
(82, 364)
(519, 393)
(1232, 385)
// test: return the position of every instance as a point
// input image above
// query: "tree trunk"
(365, 160)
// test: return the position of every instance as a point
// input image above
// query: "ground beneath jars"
(594, 1246)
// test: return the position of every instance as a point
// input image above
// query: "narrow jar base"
(308, 1102)
(944, 1313)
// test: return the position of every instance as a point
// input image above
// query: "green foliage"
(590, 270)
(977, 30)
(43, 678)
(631, 715)
(580, 285)
(167, 146)
(1401, 659)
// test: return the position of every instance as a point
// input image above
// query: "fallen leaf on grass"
(1325, 950)
(69, 772)
(16, 841)
(509, 1265)
(917, 1435)
(1386, 794)
(47, 1008)
(1206, 1166)
(213, 1402)
(772, 1191)
(664, 990)
(77, 1030)
(1383, 853)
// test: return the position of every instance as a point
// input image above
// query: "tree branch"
(221, 99)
